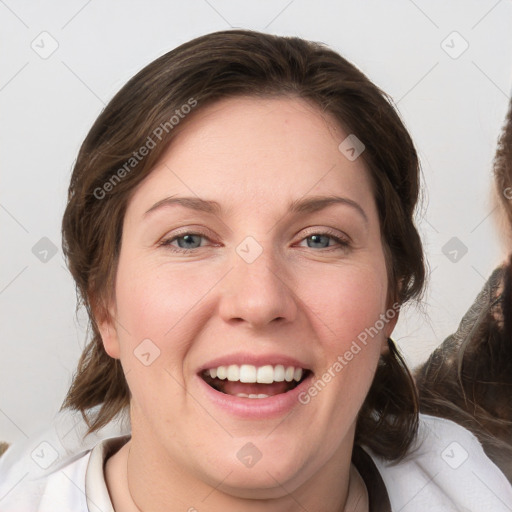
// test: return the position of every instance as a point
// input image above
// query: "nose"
(259, 292)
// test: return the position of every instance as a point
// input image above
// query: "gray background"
(452, 101)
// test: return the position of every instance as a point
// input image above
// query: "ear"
(391, 315)
(105, 317)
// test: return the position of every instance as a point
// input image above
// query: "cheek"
(160, 313)
(348, 321)
(159, 303)
(342, 304)
(347, 302)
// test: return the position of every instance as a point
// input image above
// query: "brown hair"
(204, 70)
(468, 379)
(503, 166)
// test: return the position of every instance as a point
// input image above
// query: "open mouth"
(247, 381)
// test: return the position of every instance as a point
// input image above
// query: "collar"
(98, 497)
(377, 494)
(96, 491)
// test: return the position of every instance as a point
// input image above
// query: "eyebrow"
(193, 203)
(309, 204)
(314, 204)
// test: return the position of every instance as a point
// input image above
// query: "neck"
(137, 484)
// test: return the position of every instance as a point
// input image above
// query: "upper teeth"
(263, 374)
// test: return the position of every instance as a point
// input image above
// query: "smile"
(254, 382)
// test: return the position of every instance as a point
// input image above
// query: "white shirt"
(445, 471)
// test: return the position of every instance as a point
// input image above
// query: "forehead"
(271, 150)
(268, 122)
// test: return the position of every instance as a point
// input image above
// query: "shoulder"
(79, 486)
(445, 470)
(58, 470)
(28, 489)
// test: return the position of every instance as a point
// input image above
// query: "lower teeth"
(243, 395)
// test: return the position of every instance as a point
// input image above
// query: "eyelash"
(341, 241)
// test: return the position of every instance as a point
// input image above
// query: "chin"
(266, 482)
(258, 468)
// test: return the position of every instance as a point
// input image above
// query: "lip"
(255, 408)
(255, 360)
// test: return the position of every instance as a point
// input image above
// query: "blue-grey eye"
(317, 240)
(188, 239)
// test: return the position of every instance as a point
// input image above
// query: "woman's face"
(233, 264)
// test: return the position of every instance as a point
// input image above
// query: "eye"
(317, 240)
(189, 241)
(185, 241)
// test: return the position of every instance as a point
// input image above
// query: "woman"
(240, 228)
(469, 377)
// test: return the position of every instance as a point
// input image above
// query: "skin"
(305, 298)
